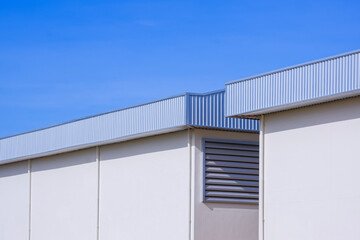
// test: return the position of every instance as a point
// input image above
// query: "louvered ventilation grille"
(231, 171)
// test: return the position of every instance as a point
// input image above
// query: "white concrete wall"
(64, 196)
(220, 221)
(150, 188)
(144, 189)
(14, 201)
(312, 162)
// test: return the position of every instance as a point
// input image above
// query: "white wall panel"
(64, 196)
(144, 189)
(221, 221)
(312, 172)
(14, 201)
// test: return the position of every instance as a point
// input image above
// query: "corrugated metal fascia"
(94, 144)
(97, 115)
(175, 113)
(150, 117)
(294, 66)
(318, 81)
(208, 110)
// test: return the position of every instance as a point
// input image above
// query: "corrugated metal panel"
(207, 110)
(167, 113)
(231, 171)
(203, 110)
(318, 81)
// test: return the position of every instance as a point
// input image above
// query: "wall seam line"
(262, 182)
(190, 209)
(30, 183)
(193, 160)
(98, 194)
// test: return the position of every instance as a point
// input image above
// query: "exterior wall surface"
(149, 188)
(220, 221)
(64, 196)
(14, 201)
(144, 189)
(311, 172)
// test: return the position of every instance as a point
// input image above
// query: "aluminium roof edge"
(118, 140)
(94, 115)
(152, 118)
(257, 113)
(314, 82)
(95, 144)
(116, 110)
(293, 67)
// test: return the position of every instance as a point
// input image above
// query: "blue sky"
(62, 60)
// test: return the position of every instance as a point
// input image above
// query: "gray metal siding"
(231, 171)
(316, 80)
(208, 111)
(154, 116)
(201, 110)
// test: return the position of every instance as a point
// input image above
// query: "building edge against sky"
(107, 176)
(301, 85)
(148, 186)
(309, 130)
(304, 84)
(306, 155)
(158, 117)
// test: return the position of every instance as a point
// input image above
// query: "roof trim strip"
(323, 80)
(294, 66)
(166, 115)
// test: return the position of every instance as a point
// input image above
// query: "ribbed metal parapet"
(314, 82)
(207, 110)
(166, 115)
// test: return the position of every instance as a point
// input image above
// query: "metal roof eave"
(256, 114)
(293, 67)
(89, 145)
(158, 117)
(306, 84)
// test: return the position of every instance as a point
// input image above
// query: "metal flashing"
(157, 117)
(318, 81)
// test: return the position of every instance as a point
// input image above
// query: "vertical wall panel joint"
(98, 193)
(262, 182)
(29, 173)
(191, 184)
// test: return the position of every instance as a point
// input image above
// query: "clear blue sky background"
(62, 60)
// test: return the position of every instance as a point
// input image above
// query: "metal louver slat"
(232, 152)
(231, 171)
(232, 164)
(231, 188)
(231, 194)
(231, 182)
(232, 200)
(232, 176)
(232, 158)
(233, 146)
(219, 141)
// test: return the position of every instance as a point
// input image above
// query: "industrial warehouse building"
(136, 173)
(309, 141)
(271, 157)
